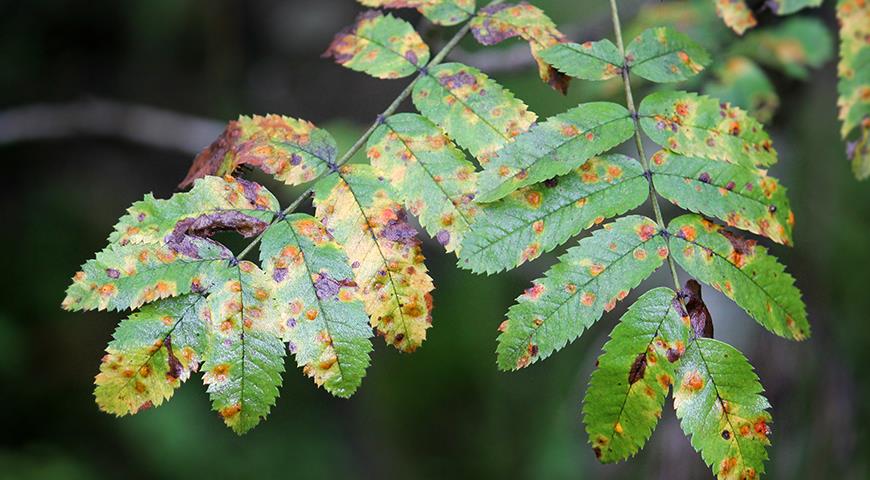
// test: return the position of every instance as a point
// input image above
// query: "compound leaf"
(441, 12)
(854, 82)
(431, 176)
(697, 125)
(719, 403)
(599, 60)
(538, 218)
(498, 22)
(736, 14)
(475, 111)
(244, 365)
(663, 54)
(745, 198)
(626, 392)
(588, 280)
(743, 271)
(357, 208)
(294, 151)
(325, 324)
(555, 147)
(152, 352)
(380, 45)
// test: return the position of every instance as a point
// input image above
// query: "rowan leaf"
(325, 323)
(599, 60)
(246, 359)
(742, 83)
(161, 248)
(697, 125)
(745, 198)
(540, 217)
(431, 176)
(475, 111)
(386, 257)
(294, 151)
(743, 271)
(573, 294)
(854, 82)
(736, 14)
(787, 7)
(719, 403)
(555, 147)
(441, 12)
(380, 45)
(663, 54)
(152, 352)
(498, 22)
(626, 392)
(793, 46)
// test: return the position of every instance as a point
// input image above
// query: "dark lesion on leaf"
(190, 234)
(175, 367)
(211, 161)
(638, 368)
(699, 316)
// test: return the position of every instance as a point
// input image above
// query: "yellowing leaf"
(854, 82)
(441, 12)
(736, 14)
(383, 250)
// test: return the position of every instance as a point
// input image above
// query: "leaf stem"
(638, 141)
(361, 141)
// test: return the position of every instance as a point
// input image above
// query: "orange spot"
(140, 387)
(569, 130)
(538, 227)
(231, 411)
(311, 314)
(726, 466)
(681, 108)
(693, 381)
(590, 136)
(662, 252)
(587, 299)
(107, 290)
(646, 231)
(533, 198)
(595, 269)
(640, 254)
(610, 305)
(614, 171)
(145, 371)
(617, 428)
(689, 233)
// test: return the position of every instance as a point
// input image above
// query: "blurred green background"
(78, 146)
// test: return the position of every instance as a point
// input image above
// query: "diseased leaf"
(745, 198)
(743, 83)
(294, 151)
(555, 147)
(357, 208)
(663, 54)
(743, 271)
(588, 280)
(431, 176)
(441, 12)
(736, 14)
(538, 218)
(161, 248)
(793, 46)
(323, 320)
(152, 352)
(697, 125)
(380, 45)
(719, 403)
(787, 7)
(244, 366)
(626, 392)
(854, 82)
(475, 111)
(599, 60)
(498, 22)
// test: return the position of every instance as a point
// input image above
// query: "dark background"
(76, 149)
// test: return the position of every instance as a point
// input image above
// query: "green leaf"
(599, 60)
(742, 83)
(555, 147)
(745, 198)
(325, 323)
(787, 7)
(736, 14)
(663, 54)
(475, 111)
(588, 280)
(719, 403)
(743, 271)
(380, 45)
(161, 248)
(697, 125)
(357, 208)
(538, 218)
(432, 177)
(294, 151)
(244, 366)
(626, 392)
(441, 12)
(854, 83)
(498, 22)
(152, 352)
(792, 46)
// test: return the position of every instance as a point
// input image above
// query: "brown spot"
(693, 381)
(231, 411)
(726, 434)
(638, 368)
